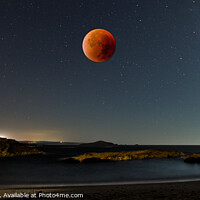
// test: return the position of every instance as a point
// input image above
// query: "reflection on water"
(38, 170)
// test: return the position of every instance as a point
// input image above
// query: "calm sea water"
(49, 169)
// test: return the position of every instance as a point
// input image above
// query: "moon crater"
(99, 45)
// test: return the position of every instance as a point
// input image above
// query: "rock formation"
(9, 148)
(122, 156)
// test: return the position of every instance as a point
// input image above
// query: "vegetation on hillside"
(129, 155)
(9, 148)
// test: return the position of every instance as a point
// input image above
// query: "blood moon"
(99, 45)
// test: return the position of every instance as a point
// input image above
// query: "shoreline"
(143, 182)
(176, 190)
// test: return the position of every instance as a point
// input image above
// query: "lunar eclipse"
(99, 45)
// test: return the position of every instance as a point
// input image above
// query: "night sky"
(147, 93)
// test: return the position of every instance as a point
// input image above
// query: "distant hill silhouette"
(9, 147)
(98, 144)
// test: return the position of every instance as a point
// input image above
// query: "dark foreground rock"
(192, 158)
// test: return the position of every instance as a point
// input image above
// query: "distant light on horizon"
(33, 135)
(5, 134)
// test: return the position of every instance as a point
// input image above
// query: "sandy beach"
(182, 191)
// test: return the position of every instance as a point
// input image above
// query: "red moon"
(99, 45)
